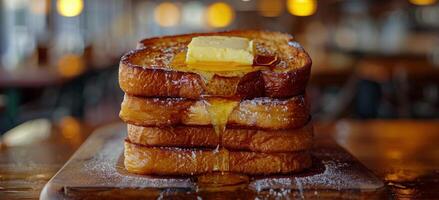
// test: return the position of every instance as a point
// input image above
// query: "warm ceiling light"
(69, 8)
(270, 8)
(422, 2)
(302, 7)
(220, 14)
(167, 14)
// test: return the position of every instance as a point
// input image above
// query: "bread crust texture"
(259, 113)
(289, 140)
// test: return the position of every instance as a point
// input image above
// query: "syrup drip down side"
(219, 112)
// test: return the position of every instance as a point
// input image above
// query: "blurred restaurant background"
(59, 58)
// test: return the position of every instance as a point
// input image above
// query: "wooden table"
(404, 153)
(24, 170)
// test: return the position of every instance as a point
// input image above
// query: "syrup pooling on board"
(221, 182)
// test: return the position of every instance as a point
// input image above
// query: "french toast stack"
(185, 120)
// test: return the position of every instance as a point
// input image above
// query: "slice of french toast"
(150, 70)
(288, 140)
(140, 159)
(259, 113)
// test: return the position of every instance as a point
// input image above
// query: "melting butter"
(220, 48)
(208, 69)
(219, 111)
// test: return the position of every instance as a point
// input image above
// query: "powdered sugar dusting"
(337, 174)
(98, 164)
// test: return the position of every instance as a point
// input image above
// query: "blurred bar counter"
(404, 153)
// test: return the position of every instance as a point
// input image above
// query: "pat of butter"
(220, 49)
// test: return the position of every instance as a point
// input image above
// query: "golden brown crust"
(146, 71)
(259, 113)
(289, 140)
(174, 161)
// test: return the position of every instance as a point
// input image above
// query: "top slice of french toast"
(150, 69)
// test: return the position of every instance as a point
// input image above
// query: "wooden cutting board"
(95, 171)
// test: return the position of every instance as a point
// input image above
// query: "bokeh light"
(422, 2)
(71, 65)
(270, 8)
(302, 7)
(193, 13)
(69, 8)
(71, 128)
(167, 14)
(220, 14)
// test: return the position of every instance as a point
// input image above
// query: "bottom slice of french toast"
(140, 159)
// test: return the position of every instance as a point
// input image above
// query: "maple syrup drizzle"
(269, 61)
(219, 111)
(221, 179)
